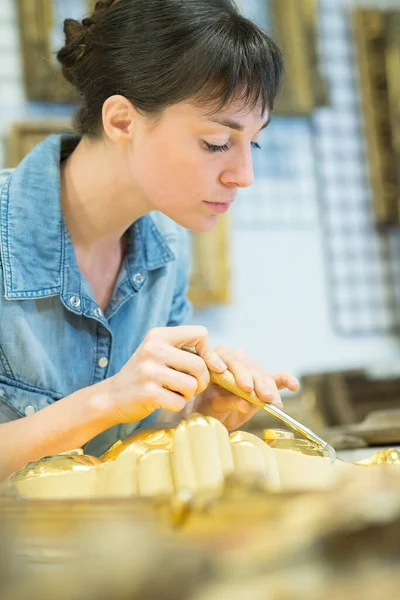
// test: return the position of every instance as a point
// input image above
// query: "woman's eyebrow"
(236, 125)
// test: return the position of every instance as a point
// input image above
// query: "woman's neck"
(98, 199)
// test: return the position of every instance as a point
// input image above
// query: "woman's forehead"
(235, 114)
(236, 110)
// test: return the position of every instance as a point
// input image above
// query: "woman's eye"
(225, 147)
(214, 148)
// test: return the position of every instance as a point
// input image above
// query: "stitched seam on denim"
(2, 399)
(5, 246)
(5, 363)
(162, 238)
(166, 254)
(36, 293)
(30, 388)
(170, 237)
(122, 302)
(110, 355)
(62, 257)
(6, 253)
(95, 353)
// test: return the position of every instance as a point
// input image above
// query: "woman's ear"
(118, 116)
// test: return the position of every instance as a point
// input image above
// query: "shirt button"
(98, 312)
(75, 301)
(103, 362)
(29, 410)
(138, 279)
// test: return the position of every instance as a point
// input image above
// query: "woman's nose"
(241, 173)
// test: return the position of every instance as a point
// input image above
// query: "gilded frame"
(210, 269)
(210, 274)
(294, 25)
(393, 74)
(24, 135)
(377, 36)
(43, 78)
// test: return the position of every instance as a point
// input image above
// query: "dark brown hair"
(159, 52)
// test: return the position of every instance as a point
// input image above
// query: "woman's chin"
(199, 224)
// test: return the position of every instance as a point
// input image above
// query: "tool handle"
(227, 381)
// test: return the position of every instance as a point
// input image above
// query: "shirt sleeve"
(181, 309)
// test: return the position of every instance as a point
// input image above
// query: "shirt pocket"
(20, 401)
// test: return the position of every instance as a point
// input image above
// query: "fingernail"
(266, 392)
(248, 383)
(217, 362)
(275, 400)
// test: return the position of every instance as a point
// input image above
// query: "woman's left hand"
(231, 410)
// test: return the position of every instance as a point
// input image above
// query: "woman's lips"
(218, 207)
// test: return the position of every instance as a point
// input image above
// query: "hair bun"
(73, 30)
(88, 22)
(103, 5)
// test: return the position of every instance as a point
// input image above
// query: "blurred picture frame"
(377, 37)
(294, 26)
(41, 35)
(210, 279)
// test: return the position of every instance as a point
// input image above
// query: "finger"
(262, 382)
(266, 388)
(242, 374)
(286, 381)
(238, 354)
(189, 335)
(227, 403)
(175, 381)
(196, 337)
(168, 400)
(191, 364)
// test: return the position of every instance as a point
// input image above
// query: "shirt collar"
(36, 251)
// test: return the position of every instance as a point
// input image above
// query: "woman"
(94, 257)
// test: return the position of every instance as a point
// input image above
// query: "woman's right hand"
(162, 375)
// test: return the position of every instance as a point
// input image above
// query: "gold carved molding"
(210, 264)
(377, 35)
(294, 25)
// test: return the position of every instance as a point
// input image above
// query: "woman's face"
(189, 165)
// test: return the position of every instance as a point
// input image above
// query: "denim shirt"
(54, 338)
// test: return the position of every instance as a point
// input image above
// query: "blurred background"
(305, 273)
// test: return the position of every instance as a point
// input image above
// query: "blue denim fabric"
(52, 335)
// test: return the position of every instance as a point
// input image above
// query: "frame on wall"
(377, 35)
(42, 75)
(393, 74)
(210, 274)
(25, 135)
(210, 271)
(294, 24)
